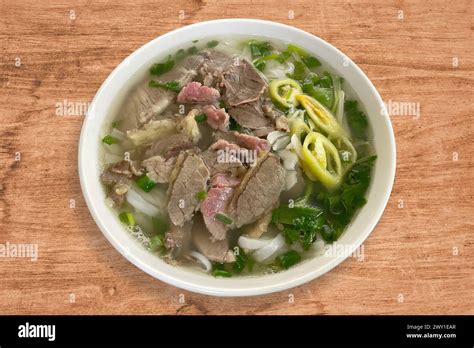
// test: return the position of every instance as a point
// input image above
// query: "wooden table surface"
(419, 259)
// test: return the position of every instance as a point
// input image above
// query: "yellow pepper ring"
(322, 117)
(318, 158)
(289, 99)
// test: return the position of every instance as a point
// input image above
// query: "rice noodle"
(252, 243)
(118, 134)
(110, 158)
(204, 261)
(139, 203)
(270, 249)
(290, 159)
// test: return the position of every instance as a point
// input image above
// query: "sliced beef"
(216, 165)
(216, 201)
(278, 117)
(243, 84)
(244, 140)
(195, 92)
(178, 239)
(259, 191)
(215, 64)
(169, 146)
(159, 168)
(189, 126)
(217, 118)
(224, 180)
(146, 103)
(117, 173)
(214, 250)
(117, 177)
(187, 179)
(259, 227)
(222, 144)
(250, 115)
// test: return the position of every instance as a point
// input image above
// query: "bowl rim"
(173, 275)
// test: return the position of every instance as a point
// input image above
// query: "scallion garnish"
(223, 218)
(201, 195)
(170, 85)
(127, 218)
(145, 183)
(109, 140)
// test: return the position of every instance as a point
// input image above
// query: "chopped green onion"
(218, 270)
(289, 259)
(219, 273)
(145, 183)
(127, 218)
(156, 243)
(212, 44)
(194, 41)
(161, 68)
(223, 218)
(109, 140)
(201, 117)
(201, 195)
(171, 85)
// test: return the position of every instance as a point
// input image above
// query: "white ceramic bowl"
(110, 96)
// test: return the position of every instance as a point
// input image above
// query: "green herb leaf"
(311, 62)
(289, 259)
(260, 66)
(180, 54)
(201, 117)
(171, 85)
(299, 72)
(145, 183)
(161, 68)
(291, 235)
(212, 44)
(357, 119)
(109, 140)
(260, 48)
(240, 260)
(192, 50)
(233, 125)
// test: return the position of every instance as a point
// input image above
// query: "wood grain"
(419, 259)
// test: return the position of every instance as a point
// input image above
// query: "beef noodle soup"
(237, 156)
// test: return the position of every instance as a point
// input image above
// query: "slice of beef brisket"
(259, 191)
(186, 180)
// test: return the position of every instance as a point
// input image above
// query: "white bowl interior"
(110, 97)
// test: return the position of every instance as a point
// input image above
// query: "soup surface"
(237, 156)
